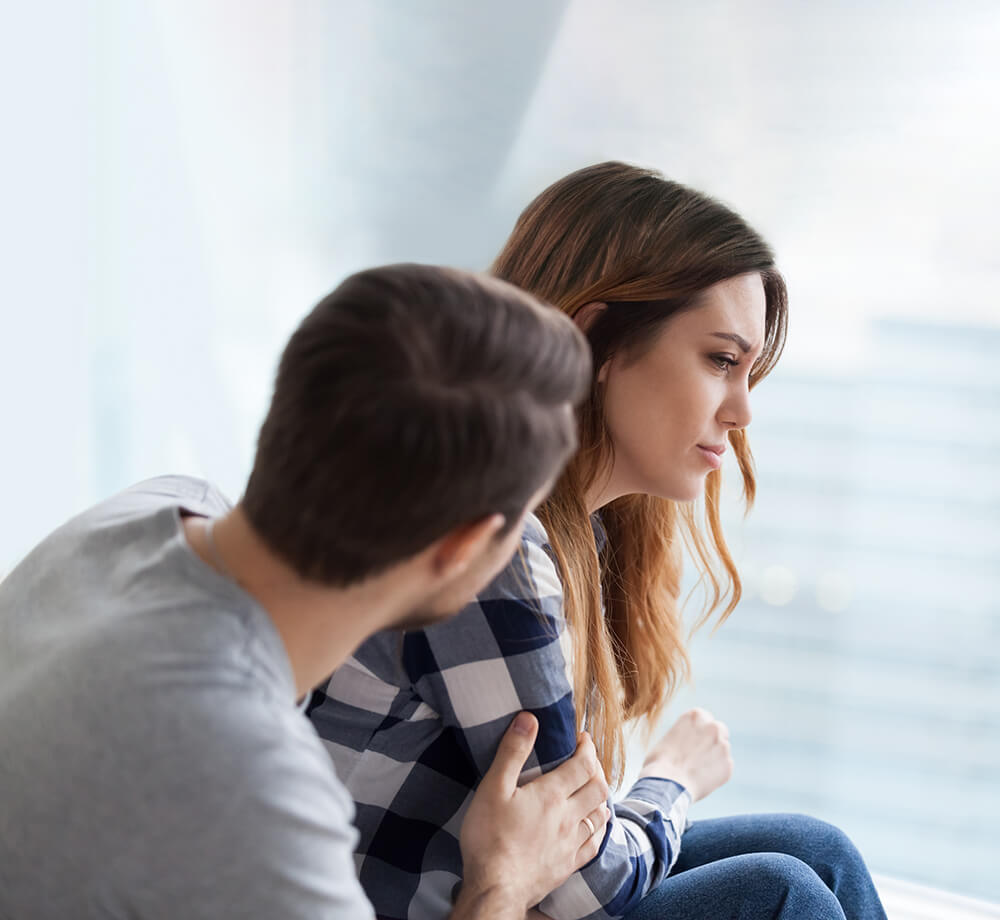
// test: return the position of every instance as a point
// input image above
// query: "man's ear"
(456, 550)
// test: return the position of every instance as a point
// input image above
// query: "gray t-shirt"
(152, 760)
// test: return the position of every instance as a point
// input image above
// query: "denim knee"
(830, 851)
(789, 887)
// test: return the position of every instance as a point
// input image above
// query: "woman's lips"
(712, 455)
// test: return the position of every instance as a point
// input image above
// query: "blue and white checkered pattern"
(413, 722)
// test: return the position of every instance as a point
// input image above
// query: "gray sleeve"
(269, 838)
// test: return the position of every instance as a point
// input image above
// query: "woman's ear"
(584, 319)
(585, 316)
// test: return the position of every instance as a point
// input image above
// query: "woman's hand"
(519, 843)
(695, 753)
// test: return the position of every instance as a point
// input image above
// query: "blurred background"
(181, 181)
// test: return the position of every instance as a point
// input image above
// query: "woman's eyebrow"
(733, 337)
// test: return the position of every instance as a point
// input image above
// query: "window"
(187, 178)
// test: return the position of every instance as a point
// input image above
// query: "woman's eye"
(724, 362)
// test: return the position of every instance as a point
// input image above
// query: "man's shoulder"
(144, 501)
(191, 493)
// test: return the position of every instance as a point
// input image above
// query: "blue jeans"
(764, 867)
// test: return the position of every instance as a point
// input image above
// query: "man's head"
(415, 407)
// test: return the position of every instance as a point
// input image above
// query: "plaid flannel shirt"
(413, 721)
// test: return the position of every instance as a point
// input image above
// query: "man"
(154, 762)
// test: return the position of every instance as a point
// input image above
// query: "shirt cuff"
(670, 797)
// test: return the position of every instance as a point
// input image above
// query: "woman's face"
(669, 410)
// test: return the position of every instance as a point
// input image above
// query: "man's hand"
(695, 753)
(518, 844)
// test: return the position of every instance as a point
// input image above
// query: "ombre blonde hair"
(646, 247)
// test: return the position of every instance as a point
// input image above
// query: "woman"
(685, 312)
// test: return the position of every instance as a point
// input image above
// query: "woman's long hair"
(647, 247)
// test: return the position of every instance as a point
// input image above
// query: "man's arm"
(518, 843)
(240, 814)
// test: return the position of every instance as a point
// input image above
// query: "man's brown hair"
(410, 401)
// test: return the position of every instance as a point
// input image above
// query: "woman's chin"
(678, 491)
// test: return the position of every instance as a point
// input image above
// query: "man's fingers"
(590, 795)
(592, 845)
(594, 823)
(578, 770)
(515, 746)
